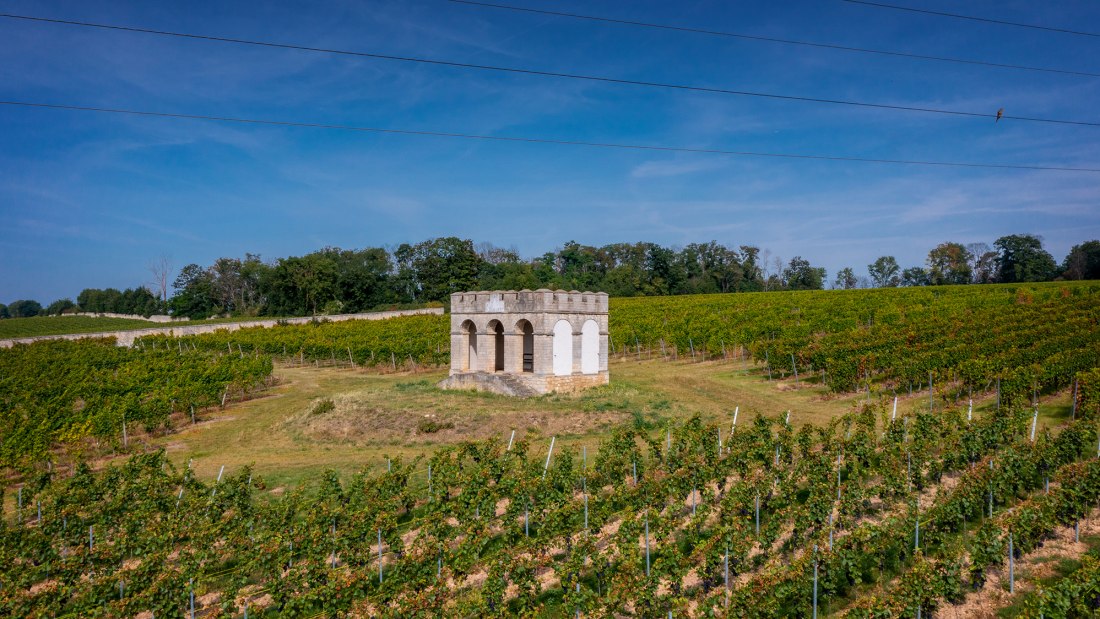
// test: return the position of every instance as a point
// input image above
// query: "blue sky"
(90, 200)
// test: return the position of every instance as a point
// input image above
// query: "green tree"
(1023, 259)
(362, 277)
(24, 308)
(753, 275)
(60, 306)
(138, 301)
(1083, 261)
(581, 267)
(502, 269)
(666, 274)
(194, 293)
(624, 281)
(301, 285)
(252, 296)
(96, 300)
(949, 263)
(884, 272)
(846, 279)
(983, 263)
(403, 282)
(915, 276)
(627, 274)
(711, 267)
(800, 275)
(441, 266)
(4, 313)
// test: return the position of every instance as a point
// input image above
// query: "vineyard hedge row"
(674, 519)
(67, 393)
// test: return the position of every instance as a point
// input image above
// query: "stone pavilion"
(528, 342)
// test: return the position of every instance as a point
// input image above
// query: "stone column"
(573, 320)
(544, 350)
(458, 351)
(513, 351)
(604, 351)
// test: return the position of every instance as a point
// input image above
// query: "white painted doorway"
(590, 347)
(563, 348)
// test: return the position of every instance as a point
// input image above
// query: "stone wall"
(126, 338)
(160, 318)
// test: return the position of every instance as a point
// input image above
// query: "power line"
(973, 18)
(533, 140)
(574, 76)
(750, 37)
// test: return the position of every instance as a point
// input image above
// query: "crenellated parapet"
(526, 301)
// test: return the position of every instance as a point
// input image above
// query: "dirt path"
(984, 603)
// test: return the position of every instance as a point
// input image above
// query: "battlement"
(527, 301)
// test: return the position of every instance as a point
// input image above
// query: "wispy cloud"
(681, 167)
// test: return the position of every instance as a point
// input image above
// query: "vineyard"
(60, 325)
(880, 512)
(1015, 340)
(876, 515)
(71, 393)
(392, 342)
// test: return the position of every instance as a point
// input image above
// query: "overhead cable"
(536, 140)
(752, 37)
(573, 76)
(883, 5)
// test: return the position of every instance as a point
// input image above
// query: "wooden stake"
(550, 452)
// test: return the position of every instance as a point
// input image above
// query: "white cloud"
(659, 169)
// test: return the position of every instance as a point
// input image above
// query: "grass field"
(61, 325)
(376, 416)
(65, 325)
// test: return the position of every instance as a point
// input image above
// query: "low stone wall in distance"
(153, 318)
(126, 338)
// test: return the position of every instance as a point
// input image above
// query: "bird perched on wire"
(1000, 113)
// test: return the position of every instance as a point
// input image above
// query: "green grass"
(375, 416)
(66, 325)
(62, 325)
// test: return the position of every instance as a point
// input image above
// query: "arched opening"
(563, 348)
(469, 346)
(527, 350)
(497, 330)
(590, 347)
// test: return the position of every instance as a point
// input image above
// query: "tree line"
(334, 280)
(1013, 258)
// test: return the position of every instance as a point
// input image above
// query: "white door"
(590, 347)
(563, 348)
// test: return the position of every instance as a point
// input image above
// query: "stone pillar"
(458, 351)
(576, 344)
(544, 353)
(513, 351)
(604, 351)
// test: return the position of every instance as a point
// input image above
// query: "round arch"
(495, 331)
(469, 346)
(526, 331)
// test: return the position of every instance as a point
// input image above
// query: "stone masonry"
(528, 342)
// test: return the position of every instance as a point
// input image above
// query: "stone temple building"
(528, 342)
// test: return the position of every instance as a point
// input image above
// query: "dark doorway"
(528, 347)
(469, 359)
(498, 340)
